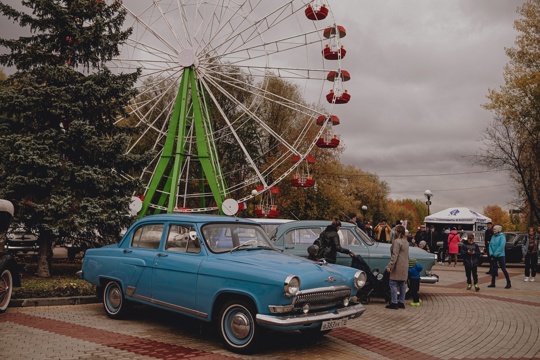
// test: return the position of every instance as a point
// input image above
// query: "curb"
(72, 300)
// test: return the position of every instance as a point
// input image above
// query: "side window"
(348, 238)
(179, 239)
(302, 236)
(148, 236)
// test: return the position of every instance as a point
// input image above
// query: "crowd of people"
(403, 270)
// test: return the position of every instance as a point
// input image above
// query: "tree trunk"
(44, 256)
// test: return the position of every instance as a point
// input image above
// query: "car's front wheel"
(237, 326)
(6, 288)
(114, 302)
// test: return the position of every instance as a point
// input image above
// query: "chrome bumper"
(429, 279)
(350, 312)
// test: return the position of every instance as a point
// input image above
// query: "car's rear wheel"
(6, 289)
(114, 302)
(237, 326)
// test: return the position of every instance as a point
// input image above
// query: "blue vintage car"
(295, 237)
(225, 271)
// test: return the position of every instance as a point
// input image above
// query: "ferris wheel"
(232, 98)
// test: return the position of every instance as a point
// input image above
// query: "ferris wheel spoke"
(225, 20)
(241, 36)
(266, 49)
(148, 28)
(265, 95)
(252, 115)
(232, 130)
(281, 72)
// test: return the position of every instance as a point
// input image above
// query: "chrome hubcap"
(240, 326)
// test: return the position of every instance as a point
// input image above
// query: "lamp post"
(428, 194)
(364, 210)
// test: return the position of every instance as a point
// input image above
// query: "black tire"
(237, 326)
(114, 303)
(364, 300)
(6, 289)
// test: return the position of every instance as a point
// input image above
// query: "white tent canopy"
(457, 215)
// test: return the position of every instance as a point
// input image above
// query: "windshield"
(226, 237)
(367, 240)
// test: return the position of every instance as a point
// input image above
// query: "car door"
(516, 253)
(176, 268)
(349, 239)
(295, 241)
(143, 245)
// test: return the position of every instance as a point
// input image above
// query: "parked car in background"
(479, 240)
(9, 269)
(21, 239)
(295, 237)
(224, 271)
(513, 248)
(270, 225)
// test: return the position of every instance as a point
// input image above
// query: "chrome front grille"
(322, 298)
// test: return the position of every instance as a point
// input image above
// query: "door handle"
(162, 255)
(127, 251)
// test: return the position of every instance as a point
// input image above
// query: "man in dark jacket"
(420, 235)
(487, 239)
(432, 237)
(329, 243)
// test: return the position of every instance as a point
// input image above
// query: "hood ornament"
(330, 279)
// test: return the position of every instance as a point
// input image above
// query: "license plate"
(332, 324)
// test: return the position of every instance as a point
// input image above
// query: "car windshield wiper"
(247, 243)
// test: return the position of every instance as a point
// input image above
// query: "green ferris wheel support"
(187, 113)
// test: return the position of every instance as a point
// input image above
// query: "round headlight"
(292, 285)
(360, 279)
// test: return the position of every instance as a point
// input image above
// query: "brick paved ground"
(452, 323)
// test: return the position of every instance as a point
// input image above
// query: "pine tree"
(61, 155)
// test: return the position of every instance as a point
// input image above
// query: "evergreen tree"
(61, 155)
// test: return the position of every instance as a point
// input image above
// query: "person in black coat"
(328, 244)
(470, 253)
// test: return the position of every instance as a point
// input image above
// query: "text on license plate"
(332, 324)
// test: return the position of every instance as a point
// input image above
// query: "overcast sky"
(420, 70)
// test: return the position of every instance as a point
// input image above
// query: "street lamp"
(364, 210)
(428, 194)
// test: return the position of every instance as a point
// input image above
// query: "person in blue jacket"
(414, 281)
(496, 251)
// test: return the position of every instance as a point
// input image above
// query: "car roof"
(198, 218)
(270, 221)
(310, 223)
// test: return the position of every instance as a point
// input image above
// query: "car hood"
(277, 266)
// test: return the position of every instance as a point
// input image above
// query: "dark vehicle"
(9, 270)
(463, 237)
(514, 243)
(20, 239)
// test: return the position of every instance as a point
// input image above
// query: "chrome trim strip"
(323, 289)
(429, 279)
(165, 304)
(350, 312)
